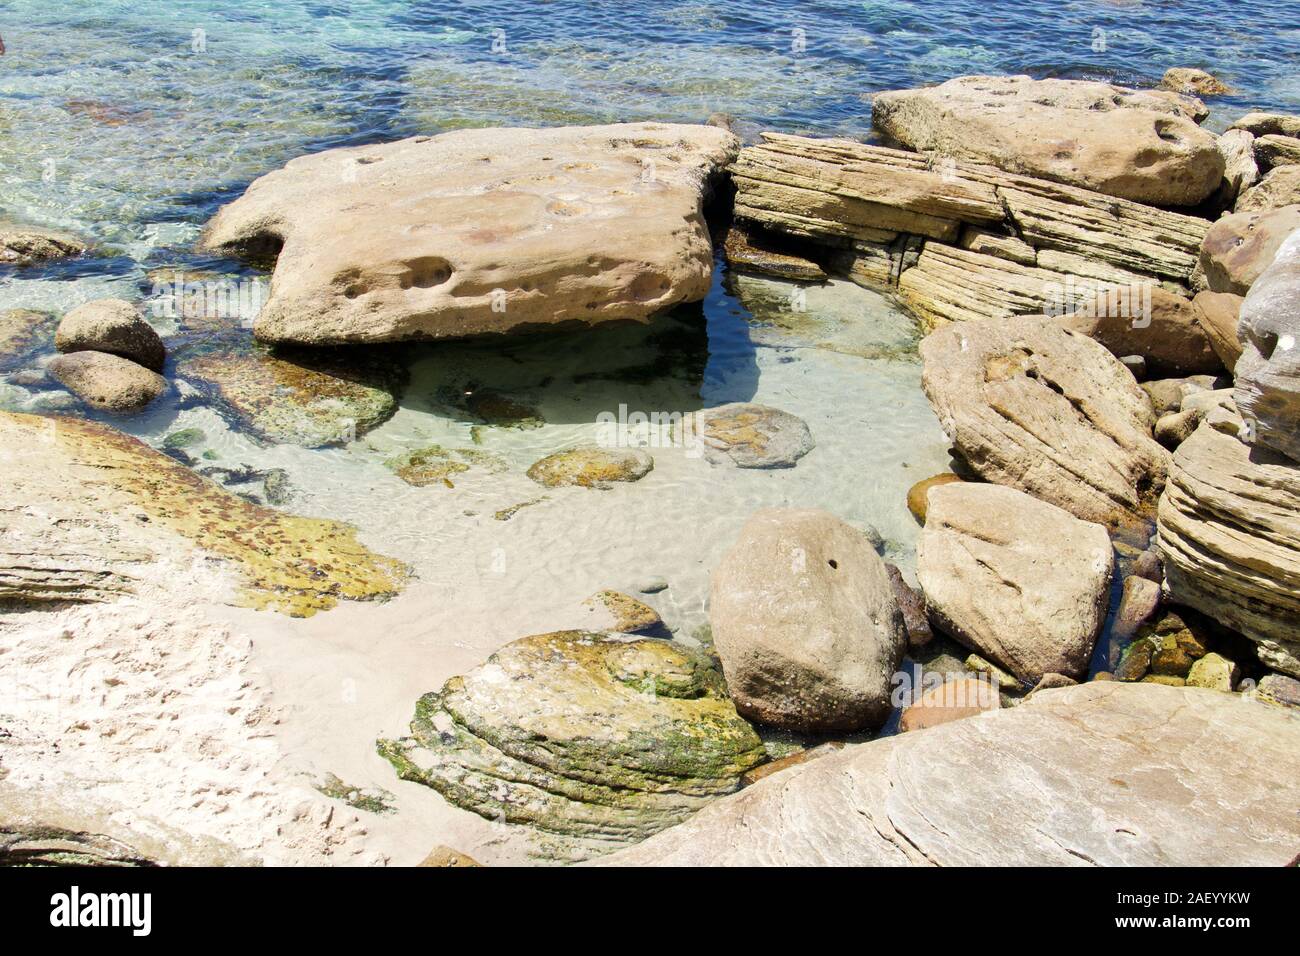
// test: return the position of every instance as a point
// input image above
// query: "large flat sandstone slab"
(1102, 774)
(480, 231)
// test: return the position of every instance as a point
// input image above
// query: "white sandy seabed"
(201, 728)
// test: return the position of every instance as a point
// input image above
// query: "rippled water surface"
(131, 122)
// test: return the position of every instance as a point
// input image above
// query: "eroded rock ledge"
(1100, 774)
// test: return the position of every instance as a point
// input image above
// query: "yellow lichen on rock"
(290, 564)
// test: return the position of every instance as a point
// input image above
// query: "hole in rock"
(426, 272)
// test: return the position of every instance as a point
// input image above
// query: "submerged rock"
(806, 623)
(591, 467)
(951, 700)
(434, 464)
(114, 326)
(23, 333)
(1103, 773)
(26, 245)
(747, 253)
(1140, 145)
(598, 739)
(107, 382)
(1229, 528)
(485, 230)
(313, 399)
(89, 511)
(1019, 580)
(1049, 411)
(618, 612)
(1268, 373)
(749, 435)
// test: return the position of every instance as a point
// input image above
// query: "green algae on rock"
(311, 399)
(434, 464)
(595, 738)
(74, 475)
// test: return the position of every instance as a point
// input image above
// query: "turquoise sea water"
(132, 119)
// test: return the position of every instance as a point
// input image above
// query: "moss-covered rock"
(313, 399)
(596, 738)
(434, 464)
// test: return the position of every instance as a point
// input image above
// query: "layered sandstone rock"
(1019, 580)
(1229, 528)
(596, 740)
(1102, 774)
(1138, 145)
(1276, 152)
(960, 240)
(478, 231)
(806, 623)
(1049, 411)
(1268, 372)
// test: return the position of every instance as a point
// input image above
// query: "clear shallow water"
(131, 122)
(119, 119)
